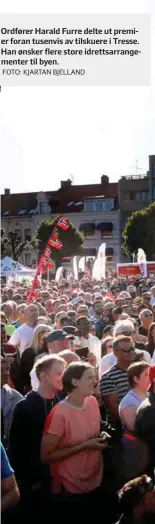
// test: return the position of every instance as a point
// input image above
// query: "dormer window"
(43, 208)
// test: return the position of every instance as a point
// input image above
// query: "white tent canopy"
(10, 268)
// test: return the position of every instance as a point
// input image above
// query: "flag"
(82, 264)
(102, 260)
(75, 268)
(141, 259)
(58, 274)
(56, 244)
(96, 270)
(54, 236)
(63, 223)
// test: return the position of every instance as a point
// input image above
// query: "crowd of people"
(78, 398)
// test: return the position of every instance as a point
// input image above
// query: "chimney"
(7, 191)
(104, 180)
(66, 183)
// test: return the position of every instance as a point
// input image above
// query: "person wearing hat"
(58, 340)
(137, 500)
(145, 418)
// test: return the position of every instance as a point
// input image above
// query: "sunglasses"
(126, 350)
(148, 315)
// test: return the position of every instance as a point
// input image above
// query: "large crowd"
(78, 400)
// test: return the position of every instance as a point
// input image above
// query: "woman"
(135, 456)
(108, 358)
(29, 355)
(71, 444)
(150, 346)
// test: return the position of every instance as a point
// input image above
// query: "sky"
(49, 134)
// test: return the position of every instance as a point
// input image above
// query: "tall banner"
(102, 260)
(75, 268)
(141, 259)
(53, 242)
(96, 270)
(82, 264)
(58, 274)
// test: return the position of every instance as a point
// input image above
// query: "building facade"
(93, 209)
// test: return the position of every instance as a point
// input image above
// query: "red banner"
(125, 270)
(53, 242)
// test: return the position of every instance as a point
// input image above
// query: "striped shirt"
(115, 380)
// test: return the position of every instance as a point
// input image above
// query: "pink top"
(81, 472)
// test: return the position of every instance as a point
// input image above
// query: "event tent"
(10, 268)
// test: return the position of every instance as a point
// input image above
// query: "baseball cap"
(71, 330)
(58, 334)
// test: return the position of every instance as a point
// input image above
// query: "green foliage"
(71, 239)
(140, 232)
(12, 246)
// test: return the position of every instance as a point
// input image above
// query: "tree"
(71, 239)
(140, 232)
(11, 245)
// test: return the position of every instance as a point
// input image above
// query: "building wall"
(24, 223)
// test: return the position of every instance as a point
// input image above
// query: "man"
(21, 315)
(116, 312)
(82, 311)
(98, 319)
(10, 492)
(137, 500)
(28, 423)
(147, 299)
(58, 340)
(126, 327)
(9, 398)
(22, 336)
(114, 383)
(10, 310)
(61, 320)
(146, 318)
(86, 339)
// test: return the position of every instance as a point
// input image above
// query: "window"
(28, 259)
(138, 196)
(89, 205)
(109, 259)
(89, 233)
(126, 196)
(27, 234)
(18, 233)
(105, 234)
(98, 205)
(108, 204)
(43, 208)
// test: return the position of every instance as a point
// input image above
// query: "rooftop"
(69, 199)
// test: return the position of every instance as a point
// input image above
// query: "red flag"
(63, 223)
(57, 244)
(54, 236)
(48, 264)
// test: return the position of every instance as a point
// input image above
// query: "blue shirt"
(6, 470)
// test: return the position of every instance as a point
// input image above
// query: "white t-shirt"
(106, 363)
(93, 344)
(22, 337)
